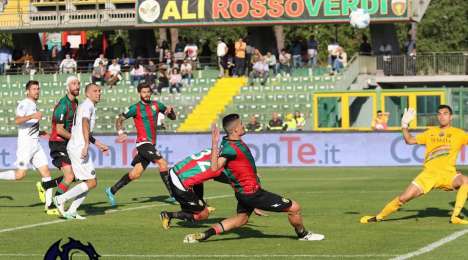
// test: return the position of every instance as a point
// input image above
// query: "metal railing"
(424, 64)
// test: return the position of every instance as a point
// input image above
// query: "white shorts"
(83, 169)
(312, 52)
(30, 153)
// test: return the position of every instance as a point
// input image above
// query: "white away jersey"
(30, 129)
(84, 110)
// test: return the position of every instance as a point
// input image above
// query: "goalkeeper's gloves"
(408, 116)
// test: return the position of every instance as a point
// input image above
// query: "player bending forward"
(239, 167)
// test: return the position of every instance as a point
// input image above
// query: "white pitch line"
(106, 212)
(217, 256)
(432, 246)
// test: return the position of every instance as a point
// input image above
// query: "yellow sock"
(391, 207)
(460, 200)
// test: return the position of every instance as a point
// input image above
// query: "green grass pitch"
(332, 200)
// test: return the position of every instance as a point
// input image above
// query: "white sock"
(77, 202)
(8, 175)
(73, 192)
(48, 193)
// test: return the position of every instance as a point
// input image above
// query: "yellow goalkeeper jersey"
(442, 147)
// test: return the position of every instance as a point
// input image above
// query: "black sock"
(302, 232)
(198, 189)
(181, 215)
(208, 233)
(165, 178)
(122, 182)
(52, 183)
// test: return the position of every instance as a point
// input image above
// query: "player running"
(62, 121)
(77, 148)
(145, 116)
(241, 171)
(443, 143)
(29, 150)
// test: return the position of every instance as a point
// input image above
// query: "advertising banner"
(236, 12)
(272, 150)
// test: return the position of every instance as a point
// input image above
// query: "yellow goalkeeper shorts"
(435, 179)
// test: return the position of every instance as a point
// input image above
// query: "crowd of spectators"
(292, 122)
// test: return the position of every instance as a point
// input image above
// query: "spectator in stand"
(54, 58)
(126, 62)
(206, 53)
(254, 125)
(159, 54)
(186, 72)
(151, 73)
(276, 123)
(332, 54)
(137, 74)
(82, 57)
(290, 123)
(221, 51)
(5, 59)
(163, 78)
(99, 59)
(340, 61)
(168, 59)
(249, 58)
(99, 73)
(175, 80)
(44, 58)
(380, 122)
(270, 59)
(191, 52)
(28, 68)
(179, 54)
(231, 66)
(300, 121)
(25, 57)
(256, 56)
(410, 44)
(312, 51)
(296, 52)
(114, 72)
(239, 60)
(68, 65)
(284, 62)
(259, 70)
(365, 48)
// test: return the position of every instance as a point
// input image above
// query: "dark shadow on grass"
(201, 224)
(6, 197)
(464, 210)
(247, 232)
(24, 206)
(424, 213)
(159, 198)
(352, 213)
(96, 209)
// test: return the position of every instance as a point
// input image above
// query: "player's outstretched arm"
(121, 136)
(408, 116)
(216, 161)
(86, 133)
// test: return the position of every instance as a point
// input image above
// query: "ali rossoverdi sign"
(258, 12)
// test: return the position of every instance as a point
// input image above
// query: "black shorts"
(263, 200)
(188, 199)
(147, 154)
(59, 154)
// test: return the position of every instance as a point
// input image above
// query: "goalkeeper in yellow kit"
(443, 143)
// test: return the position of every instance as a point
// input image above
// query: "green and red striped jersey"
(240, 166)
(195, 169)
(145, 117)
(64, 112)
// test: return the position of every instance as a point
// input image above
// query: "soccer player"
(443, 143)
(62, 121)
(186, 180)
(29, 150)
(239, 167)
(145, 116)
(77, 148)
